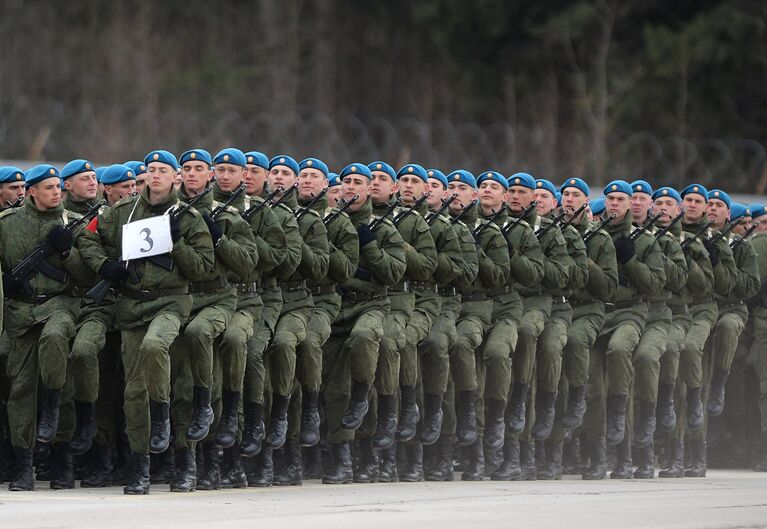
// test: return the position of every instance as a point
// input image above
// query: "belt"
(249, 288)
(292, 286)
(729, 305)
(38, 299)
(151, 295)
(402, 286)
(610, 307)
(499, 291)
(209, 287)
(657, 305)
(351, 296)
(476, 296)
(320, 290)
(447, 292)
(679, 309)
(558, 299)
(581, 302)
(423, 286)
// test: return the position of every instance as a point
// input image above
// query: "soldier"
(334, 190)
(139, 169)
(40, 315)
(150, 312)
(641, 273)
(11, 187)
(757, 354)
(350, 356)
(79, 177)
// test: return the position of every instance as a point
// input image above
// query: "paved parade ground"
(726, 499)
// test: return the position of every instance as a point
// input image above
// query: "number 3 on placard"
(146, 232)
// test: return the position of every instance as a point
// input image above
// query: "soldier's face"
(229, 176)
(466, 195)
(640, 206)
(281, 176)
(617, 204)
(160, 177)
(334, 194)
(140, 182)
(718, 212)
(195, 175)
(669, 209)
(762, 220)
(116, 192)
(82, 186)
(310, 183)
(546, 202)
(10, 193)
(694, 207)
(743, 225)
(382, 187)
(411, 188)
(355, 185)
(518, 198)
(491, 195)
(255, 177)
(572, 200)
(46, 194)
(437, 193)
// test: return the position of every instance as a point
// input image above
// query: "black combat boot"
(202, 416)
(185, 479)
(616, 418)
(495, 428)
(310, 419)
(576, 407)
(413, 471)
(527, 460)
(387, 469)
(386, 423)
(675, 460)
(357, 408)
(697, 467)
(432, 420)
(85, 428)
(210, 479)
(253, 431)
(62, 467)
(466, 429)
(644, 428)
(409, 414)
(624, 466)
(544, 414)
(311, 458)
(140, 474)
(646, 467)
(441, 468)
(101, 469)
(162, 467)
(160, 435)
(475, 470)
(695, 416)
(716, 392)
(552, 468)
(597, 452)
(227, 425)
(510, 469)
(278, 422)
(232, 472)
(366, 465)
(48, 423)
(22, 479)
(340, 472)
(665, 413)
(571, 456)
(263, 474)
(291, 472)
(517, 408)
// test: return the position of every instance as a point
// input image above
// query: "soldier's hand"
(713, 253)
(215, 230)
(11, 285)
(624, 249)
(60, 239)
(175, 230)
(365, 234)
(113, 272)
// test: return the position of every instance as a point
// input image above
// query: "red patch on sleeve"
(93, 225)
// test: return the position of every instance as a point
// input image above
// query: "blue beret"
(356, 168)
(114, 174)
(161, 156)
(10, 174)
(232, 156)
(39, 173)
(544, 184)
(383, 167)
(641, 186)
(199, 155)
(559, 198)
(695, 189)
(333, 180)
(257, 158)
(757, 210)
(314, 163)
(667, 192)
(577, 183)
(136, 166)
(495, 176)
(738, 211)
(522, 179)
(413, 169)
(720, 195)
(287, 161)
(75, 167)
(618, 186)
(99, 172)
(597, 206)
(463, 176)
(437, 175)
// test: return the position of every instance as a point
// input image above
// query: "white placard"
(147, 237)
